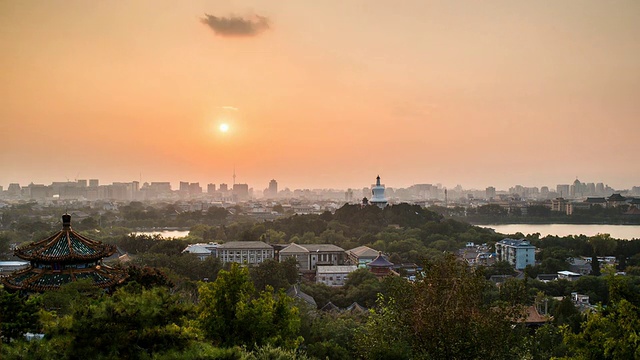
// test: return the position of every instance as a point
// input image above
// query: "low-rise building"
(361, 256)
(310, 256)
(203, 250)
(7, 267)
(518, 253)
(334, 275)
(245, 252)
(568, 275)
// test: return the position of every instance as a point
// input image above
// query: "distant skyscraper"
(377, 194)
(273, 188)
(224, 187)
(563, 190)
(544, 192)
(241, 191)
(348, 195)
(490, 192)
(211, 188)
(184, 186)
(94, 182)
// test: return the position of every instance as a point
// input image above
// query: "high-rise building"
(14, 189)
(94, 182)
(224, 187)
(211, 188)
(273, 188)
(241, 191)
(563, 190)
(490, 192)
(184, 186)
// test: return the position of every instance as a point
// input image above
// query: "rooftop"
(245, 245)
(321, 247)
(364, 252)
(380, 262)
(514, 242)
(337, 269)
(66, 245)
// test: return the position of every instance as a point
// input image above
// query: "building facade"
(245, 252)
(310, 256)
(518, 253)
(334, 275)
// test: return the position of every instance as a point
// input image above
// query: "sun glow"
(224, 127)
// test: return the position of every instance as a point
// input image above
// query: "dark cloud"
(236, 25)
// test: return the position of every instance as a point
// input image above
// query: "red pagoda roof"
(65, 246)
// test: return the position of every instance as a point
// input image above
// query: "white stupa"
(377, 194)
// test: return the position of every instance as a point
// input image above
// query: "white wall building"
(334, 275)
(245, 252)
(518, 253)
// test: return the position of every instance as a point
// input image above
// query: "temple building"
(64, 257)
(381, 267)
(377, 194)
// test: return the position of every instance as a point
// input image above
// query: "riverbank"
(624, 232)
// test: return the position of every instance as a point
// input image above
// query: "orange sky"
(331, 94)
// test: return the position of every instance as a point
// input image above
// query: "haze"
(321, 93)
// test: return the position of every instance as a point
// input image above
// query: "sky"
(321, 94)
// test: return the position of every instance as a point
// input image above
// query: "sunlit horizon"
(321, 94)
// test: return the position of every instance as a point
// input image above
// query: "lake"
(626, 232)
(164, 233)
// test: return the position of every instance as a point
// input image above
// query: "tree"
(442, 315)
(602, 244)
(231, 313)
(18, 315)
(148, 277)
(69, 296)
(5, 240)
(273, 273)
(132, 322)
(595, 265)
(612, 332)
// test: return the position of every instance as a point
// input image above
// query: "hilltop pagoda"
(64, 257)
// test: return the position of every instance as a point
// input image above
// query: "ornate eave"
(38, 280)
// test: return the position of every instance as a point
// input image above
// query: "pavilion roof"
(65, 246)
(380, 261)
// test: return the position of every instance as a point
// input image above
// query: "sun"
(224, 127)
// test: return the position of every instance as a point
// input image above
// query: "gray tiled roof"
(245, 245)
(322, 247)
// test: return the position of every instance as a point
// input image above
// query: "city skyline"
(563, 189)
(321, 94)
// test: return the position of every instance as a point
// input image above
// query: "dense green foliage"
(443, 315)
(177, 306)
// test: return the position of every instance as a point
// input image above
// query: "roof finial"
(66, 221)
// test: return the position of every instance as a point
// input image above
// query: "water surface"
(626, 232)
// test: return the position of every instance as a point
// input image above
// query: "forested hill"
(408, 231)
